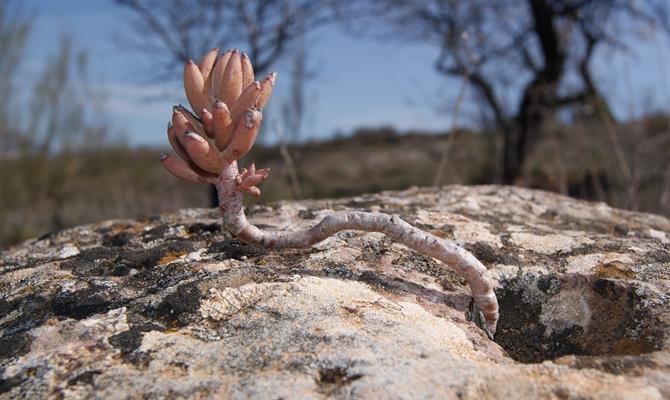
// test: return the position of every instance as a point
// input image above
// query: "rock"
(172, 307)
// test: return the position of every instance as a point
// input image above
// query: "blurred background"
(571, 96)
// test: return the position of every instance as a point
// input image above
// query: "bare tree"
(43, 131)
(542, 49)
(173, 31)
(292, 117)
(14, 31)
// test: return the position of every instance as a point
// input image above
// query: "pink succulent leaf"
(208, 122)
(249, 178)
(252, 180)
(254, 191)
(264, 171)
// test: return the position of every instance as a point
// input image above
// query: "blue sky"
(359, 81)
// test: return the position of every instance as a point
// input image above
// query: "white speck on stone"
(470, 203)
(194, 256)
(67, 251)
(636, 249)
(660, 235)
(515, 228)
(466, 230)
(589, 262)
(474, 231)
(502, 273)
(568, 308)
(536, 270)
(337, 254)
(224, 265)
(550, 243)
(221, 303)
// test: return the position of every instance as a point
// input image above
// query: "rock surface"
(171, 307)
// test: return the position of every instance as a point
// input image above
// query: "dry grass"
(39, 196)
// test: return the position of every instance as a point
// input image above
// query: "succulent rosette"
(226, 101)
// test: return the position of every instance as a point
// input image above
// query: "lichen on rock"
(172, 306)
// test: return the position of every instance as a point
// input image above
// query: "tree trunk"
(539, 96)
(512, 158)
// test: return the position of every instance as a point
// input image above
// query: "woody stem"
(452, 255)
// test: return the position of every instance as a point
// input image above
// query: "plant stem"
(234, 220)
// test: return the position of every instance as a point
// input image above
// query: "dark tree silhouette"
(542, 47)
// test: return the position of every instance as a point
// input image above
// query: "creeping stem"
(234, 220)
(222, 128)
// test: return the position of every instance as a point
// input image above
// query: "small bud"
(180, 122)
(247, 99)
(207, 62)
(216, 76)
(266, 90)
(223, 125)
(194, 123)
(208, 122)
(244, 136)
(247, 70)
(203, 154)
(253, 180)
(182, 170)
(231, 86)
(174, 142)
(194, 86)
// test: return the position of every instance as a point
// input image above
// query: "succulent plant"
(226, 117)
(222, 128)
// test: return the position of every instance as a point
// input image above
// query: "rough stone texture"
(171, 307)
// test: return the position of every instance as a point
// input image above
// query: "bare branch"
(266, 28)
(533, 44)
